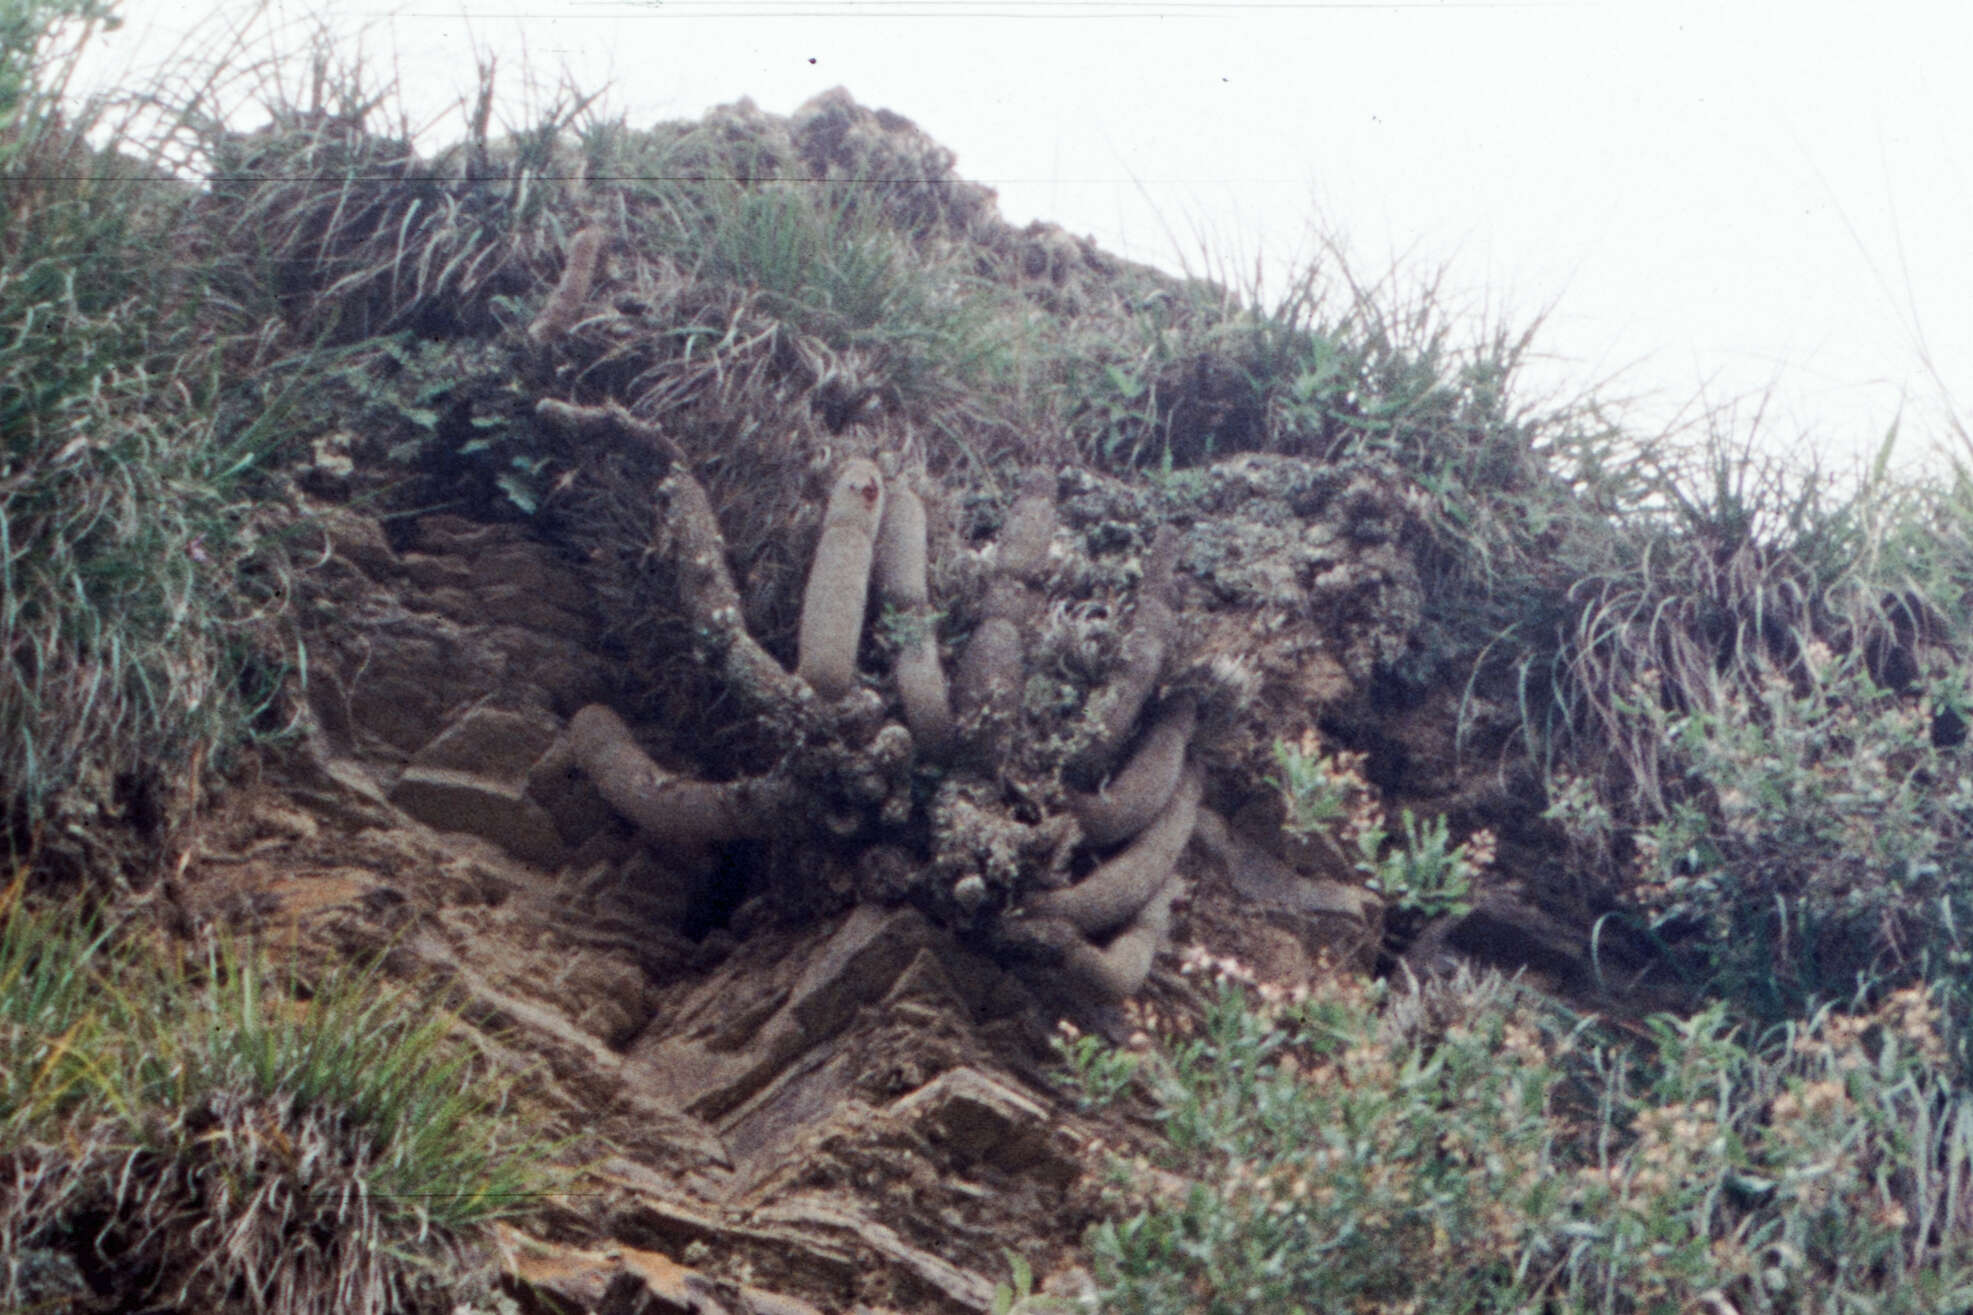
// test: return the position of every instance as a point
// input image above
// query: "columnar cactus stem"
(1118, 970)
(677, 812)
(987, 686)
(1119, 704)
(564, 306)
(839, 581)
(901, 580)
(1111, 896)
(609, 424)
(1141, 790)
(705, 585)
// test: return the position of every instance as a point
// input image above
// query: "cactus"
(1140, 791)
(1118, 970)
(1111, 896)
(987, 686)
(564, 306)
(705, 585)
(1120, 704)
(901, 578)
(676, 812)
(839, 581)
(845, 775)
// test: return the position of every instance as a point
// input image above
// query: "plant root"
(1141, 790)
(1113, 894)
(901, 553)
(839, 581)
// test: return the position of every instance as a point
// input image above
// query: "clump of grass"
(1723, 561)
(327, 219)
(1466, 1147)
(215, 1136)
(140, 591)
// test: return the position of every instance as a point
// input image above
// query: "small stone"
(461, 801)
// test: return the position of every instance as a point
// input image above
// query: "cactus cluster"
(914, 773)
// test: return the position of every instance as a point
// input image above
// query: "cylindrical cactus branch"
(1111, 896)
(839, 581)
(564, 306)
(677, 812)
(705, 586)
(1117, 706)
(1118, 970)
(1022, 550)
(988, 681)
(901, 554)
(987, 685)
(1138, 793)
(611, 425)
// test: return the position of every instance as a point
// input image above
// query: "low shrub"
(1817, 838)
(1466, 1146)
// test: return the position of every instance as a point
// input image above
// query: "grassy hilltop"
(1727, 700)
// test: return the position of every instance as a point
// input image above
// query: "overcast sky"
(1708, 201)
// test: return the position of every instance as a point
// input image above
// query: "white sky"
(1709, 200)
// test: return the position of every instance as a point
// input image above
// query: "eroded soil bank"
(798, 1059)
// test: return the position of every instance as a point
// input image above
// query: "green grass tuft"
(141, 591)
(210, 1133)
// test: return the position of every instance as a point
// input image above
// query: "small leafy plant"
(1318, 789)
(1423, 872)
(1018, 1297)
(1097, 1072)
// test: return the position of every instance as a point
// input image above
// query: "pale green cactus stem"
(705, 586)
(901, 554)
(1117, 707)
(564, 306)
(839, 581)
(1112, 895)
(676, 812)
(1138, 793)
(1118, 970)
(987, 685)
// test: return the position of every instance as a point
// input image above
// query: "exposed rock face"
(847, 1112)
